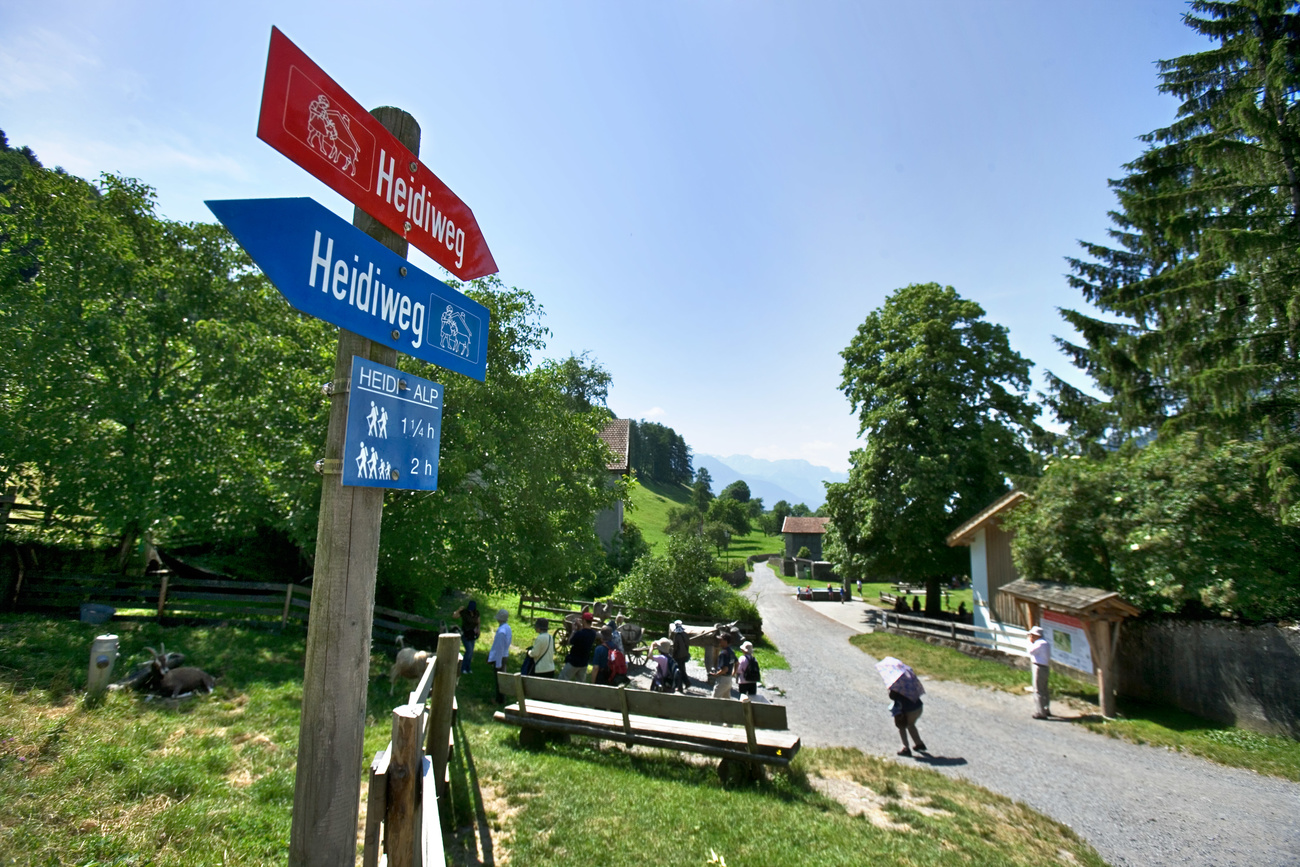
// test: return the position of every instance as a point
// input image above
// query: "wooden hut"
(990, 562)
(1062, 608)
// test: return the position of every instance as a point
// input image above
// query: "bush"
(682, 580)
(1177, 524)
(803, 553)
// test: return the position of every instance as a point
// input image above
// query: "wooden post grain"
(288, 603)
(376, 805)
(162, 594)
(441, 708)
(405, 783)
(327, 794)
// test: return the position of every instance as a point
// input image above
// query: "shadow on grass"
(467, 803)
(939, 761)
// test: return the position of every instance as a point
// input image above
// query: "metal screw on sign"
(414, 165)
(401, 385)
(395, 474)
(319, 466)
(397, 335)
(407, 229)
(402, 270)
(327, 388)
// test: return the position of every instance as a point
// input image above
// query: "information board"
(1069, 640)
(394, 428)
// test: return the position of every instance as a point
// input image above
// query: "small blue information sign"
(394, 427)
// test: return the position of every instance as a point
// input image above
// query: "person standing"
(1040, 655)
(617, 633)
(726, 669)
(747, 675)
(579, 656)
(469, 620)
(681, 656)
(600, 659)
(543, 650)
(500, 651)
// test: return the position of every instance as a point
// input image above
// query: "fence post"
(288, 601)
(405, 767)
(162, 594)
(441, 697)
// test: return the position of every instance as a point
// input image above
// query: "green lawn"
(1138, 721)
(210, 780)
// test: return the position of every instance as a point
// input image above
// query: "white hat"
(1036, 630)
(677, 626)
(747, 646)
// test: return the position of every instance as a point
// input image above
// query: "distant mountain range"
(795, 481)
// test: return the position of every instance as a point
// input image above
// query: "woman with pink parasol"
(905, 690)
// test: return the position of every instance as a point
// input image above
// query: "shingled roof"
(1070, 598)
(804, 525)
(616, 435)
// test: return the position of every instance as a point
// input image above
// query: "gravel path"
(1136, 805)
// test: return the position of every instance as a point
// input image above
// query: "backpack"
(753, 674)
(617, 662)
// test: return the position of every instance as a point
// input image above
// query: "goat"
(410, 664)
(146, 677)
(177, 682)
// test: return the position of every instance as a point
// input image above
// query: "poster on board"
(1069, 640)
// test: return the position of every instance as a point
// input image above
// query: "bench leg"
(531, 737)
(736, 772)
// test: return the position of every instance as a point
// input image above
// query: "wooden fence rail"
(540, 605)
(407, 805)
(168, 595)
(1008, 639)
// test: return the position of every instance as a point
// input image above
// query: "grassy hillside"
(652, 501)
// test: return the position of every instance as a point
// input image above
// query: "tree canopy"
(1200, 325)
(168, 390)
(942, 401)
(659, 453)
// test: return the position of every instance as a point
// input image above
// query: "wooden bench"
(758, 733)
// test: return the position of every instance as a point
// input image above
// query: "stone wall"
(1248, 676)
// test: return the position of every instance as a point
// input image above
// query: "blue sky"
(709, 197)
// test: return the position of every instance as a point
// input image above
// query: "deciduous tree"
(942, 401)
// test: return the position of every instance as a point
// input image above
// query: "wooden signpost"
(309, 118)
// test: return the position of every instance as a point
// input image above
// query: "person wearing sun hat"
(1040, 654)
(681, 656)
(747, 675)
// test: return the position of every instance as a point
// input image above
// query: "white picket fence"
(1008, 639)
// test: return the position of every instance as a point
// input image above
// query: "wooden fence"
(539, 606)
(166, 595)
(408, 804)
(1009, 639)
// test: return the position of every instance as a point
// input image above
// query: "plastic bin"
(94, 612)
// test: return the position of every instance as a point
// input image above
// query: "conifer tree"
(1204, 257)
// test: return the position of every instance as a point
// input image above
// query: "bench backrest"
(664, 705)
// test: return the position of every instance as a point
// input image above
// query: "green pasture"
(651, 502)
(210, 780)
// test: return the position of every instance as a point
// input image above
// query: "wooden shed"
(1095, 611)
(990, 562)
(799, 532)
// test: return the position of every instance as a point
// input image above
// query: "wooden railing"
(206, 600)
(408, 804)
(1008, 639)
(535, 606)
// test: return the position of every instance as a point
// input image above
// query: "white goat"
(410, 664)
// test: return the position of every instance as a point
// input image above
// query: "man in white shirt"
(1040, 655)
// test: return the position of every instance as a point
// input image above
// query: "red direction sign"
(310, 119)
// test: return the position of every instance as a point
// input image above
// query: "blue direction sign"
(394, 427)
(330, 269)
